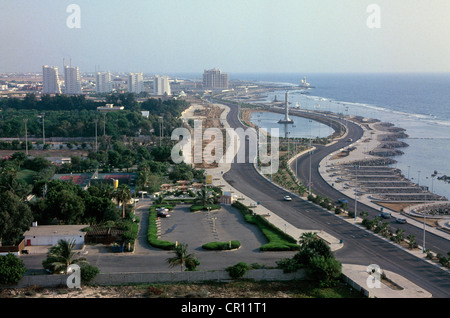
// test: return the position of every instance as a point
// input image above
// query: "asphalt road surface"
(360, 246)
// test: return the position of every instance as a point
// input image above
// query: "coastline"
(381, 142)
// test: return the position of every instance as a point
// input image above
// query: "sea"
(419, 103)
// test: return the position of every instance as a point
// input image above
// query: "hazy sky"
(237, 36)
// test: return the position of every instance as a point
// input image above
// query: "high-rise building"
(215, 79)
(135, 83)
(50, 80)
(161, 85)
(72, 80)
(103, 83)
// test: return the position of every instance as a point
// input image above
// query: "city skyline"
(266, 36)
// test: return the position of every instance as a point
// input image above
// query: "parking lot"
(198, 228)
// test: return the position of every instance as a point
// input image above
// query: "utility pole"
(96, 145)
(160, 130)
(43, 129)
(26, 136)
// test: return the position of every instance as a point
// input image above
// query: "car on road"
(342, 201)
(287, 198)
(401, 220)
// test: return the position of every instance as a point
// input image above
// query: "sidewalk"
(356, 275)
(360, 153)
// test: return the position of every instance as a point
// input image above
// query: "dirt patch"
(397, 207)
(235, 289)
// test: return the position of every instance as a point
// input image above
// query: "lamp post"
(43, 128)
(96, 145)
(424, 219)
(160, 119)
(26, 136)
(310, 146)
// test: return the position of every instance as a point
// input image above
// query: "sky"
(236, 36)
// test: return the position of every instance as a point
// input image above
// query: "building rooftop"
(56, 230)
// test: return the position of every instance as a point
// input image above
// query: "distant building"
(215, 79)
(50, 80)
(135, 83)
(72, 80)
(109, 108)
(47, 235)
(161, 85)
(103, 83)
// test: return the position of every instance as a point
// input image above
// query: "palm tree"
(61, 256)
(123, 194)
(160, 199)
(307, 238)
(181, 257)
(204, 196)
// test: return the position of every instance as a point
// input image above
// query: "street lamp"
(310, 154)
(160, 119)
(96, 145)
(26, 136)
(424, 219)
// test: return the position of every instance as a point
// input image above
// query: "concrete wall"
(165, 277)
(52, 239)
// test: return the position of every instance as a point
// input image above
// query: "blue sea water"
(419, 103)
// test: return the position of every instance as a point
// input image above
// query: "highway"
(360, 246)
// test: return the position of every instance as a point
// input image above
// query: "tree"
(204, 196)
(15, 218)
(123, 195)
(12, 269)
(317, 258)
(182, 257)
(60, 256)
(307, 237)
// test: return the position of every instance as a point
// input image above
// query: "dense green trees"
(12, 269)
(316, 257)
(15, 214)
(73, 116)
(66, 202)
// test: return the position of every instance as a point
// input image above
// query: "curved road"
(360, 246)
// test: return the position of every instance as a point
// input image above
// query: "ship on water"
(305, 84)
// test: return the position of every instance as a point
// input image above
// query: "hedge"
(220, 246)
(278, 240)
(152, 233)
(195, 208)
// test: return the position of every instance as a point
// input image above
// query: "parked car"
(400, 220)
(163, 212)
(385, 215)
(287, 198)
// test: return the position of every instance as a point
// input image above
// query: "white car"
(287, 198)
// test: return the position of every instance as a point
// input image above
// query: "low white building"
(48, 235)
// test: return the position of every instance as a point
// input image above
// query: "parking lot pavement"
(198, 228)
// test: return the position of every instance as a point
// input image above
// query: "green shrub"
(326, 270)
(88, 272)
(152, 232)
(278, 240)
(212, 207)
(12, 269)
(238, 271)
(220, 246)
